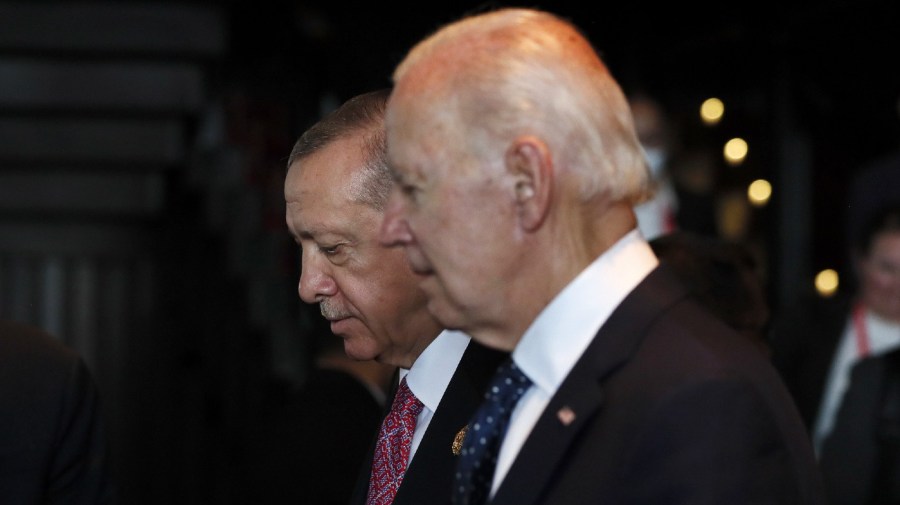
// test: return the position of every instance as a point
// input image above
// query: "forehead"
(887, 244)
(400, 117)
(332, 169)
(322, 189)
(418, 134)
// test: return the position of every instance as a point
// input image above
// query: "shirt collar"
(431, 372)
(551, 346)
(883, 334)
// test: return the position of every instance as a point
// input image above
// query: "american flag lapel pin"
(566, 415)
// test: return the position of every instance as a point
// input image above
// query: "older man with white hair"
(517, 170)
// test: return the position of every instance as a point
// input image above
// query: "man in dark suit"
(336, 187)
(861, 459)
(52, 445)
(517, 170)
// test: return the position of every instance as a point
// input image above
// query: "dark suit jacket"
(429, 478)
(803, 340)
(861, 458)
(52, 447)
(671, 407)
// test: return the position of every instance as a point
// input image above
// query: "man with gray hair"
(336, 187)
(517, 168)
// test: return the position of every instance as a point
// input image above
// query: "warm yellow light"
(711, 111)
(759, 192)
(827, 282)
(735, 151)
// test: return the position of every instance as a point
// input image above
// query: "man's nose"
(316, 283)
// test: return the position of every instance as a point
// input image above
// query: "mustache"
(332, 312)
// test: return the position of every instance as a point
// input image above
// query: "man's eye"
(330, 250)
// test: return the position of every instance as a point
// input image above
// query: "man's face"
(881, 276)
(450, 215)
(367, 291)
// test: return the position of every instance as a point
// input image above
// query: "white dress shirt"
(882, 336)
(560, 334)
(430, 375)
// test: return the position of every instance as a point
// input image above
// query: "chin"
(446, 315)
(359, 351)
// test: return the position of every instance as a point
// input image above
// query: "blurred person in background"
(722, 275)
(52, 442)
(860, 455)
(876, 185)
(817, 343)
(658, 215)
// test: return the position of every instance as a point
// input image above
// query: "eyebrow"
(310, 234)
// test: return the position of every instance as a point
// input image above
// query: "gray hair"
(363, 115)
(520, 71)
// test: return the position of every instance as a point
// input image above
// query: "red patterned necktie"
(392, 450)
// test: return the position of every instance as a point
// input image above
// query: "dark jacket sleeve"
(52, 444)
(78, 471)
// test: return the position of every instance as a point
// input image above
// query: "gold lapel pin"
(456, 446)
(566, 415)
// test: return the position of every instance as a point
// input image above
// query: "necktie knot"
(508, 385)
(405, 402)
(393, 446)
(478, 458)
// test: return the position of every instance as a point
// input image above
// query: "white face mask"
(656, 160)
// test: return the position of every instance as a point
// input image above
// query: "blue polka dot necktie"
(478, 457)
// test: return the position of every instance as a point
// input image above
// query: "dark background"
(808, 80)
(142, 150)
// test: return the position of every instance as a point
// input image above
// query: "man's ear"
(530, 165)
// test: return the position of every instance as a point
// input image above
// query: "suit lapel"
(580, 396)
(430, 474)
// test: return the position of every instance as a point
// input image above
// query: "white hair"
(513, 72)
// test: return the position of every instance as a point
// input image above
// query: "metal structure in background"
(99, 103)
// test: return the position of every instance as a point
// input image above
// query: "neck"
(565, 247)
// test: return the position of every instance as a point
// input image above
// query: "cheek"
(386, 288)
(399, 290)
(428, 222)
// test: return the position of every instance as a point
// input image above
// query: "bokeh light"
(711, 111)
(759, 192)
(827, 282)
(735, 151)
